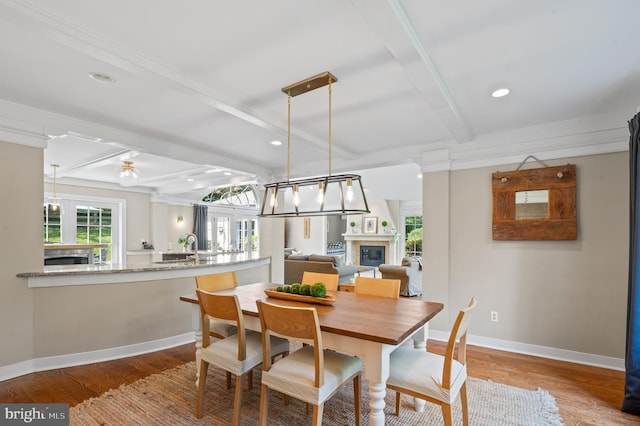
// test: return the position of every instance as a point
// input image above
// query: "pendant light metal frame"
(281, 199)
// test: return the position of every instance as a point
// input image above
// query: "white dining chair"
(436, 378)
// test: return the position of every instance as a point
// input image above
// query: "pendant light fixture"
(318, 196)
(55, 204)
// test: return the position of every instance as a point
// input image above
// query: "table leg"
(197, 328)
(376, 372)
(420, 343)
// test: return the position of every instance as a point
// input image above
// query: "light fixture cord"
(288, 135)
(330, 91)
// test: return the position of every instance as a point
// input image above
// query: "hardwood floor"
(585, 395)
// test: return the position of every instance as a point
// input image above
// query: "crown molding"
(573, 138)
(22, 132)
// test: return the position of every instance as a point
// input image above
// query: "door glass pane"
(223, 237)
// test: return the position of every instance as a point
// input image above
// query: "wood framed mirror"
(535, 204)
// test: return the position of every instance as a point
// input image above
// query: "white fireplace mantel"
(354, 240)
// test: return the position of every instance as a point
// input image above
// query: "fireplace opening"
(371, 255)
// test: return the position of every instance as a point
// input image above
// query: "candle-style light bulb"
(296, 195)
(349, 190)
(320, 192)
(272, 199)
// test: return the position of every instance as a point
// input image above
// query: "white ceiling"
(198, 86)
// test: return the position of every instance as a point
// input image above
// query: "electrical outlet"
(494, 316)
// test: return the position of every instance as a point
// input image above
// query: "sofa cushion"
(321, 258)
(298, 257)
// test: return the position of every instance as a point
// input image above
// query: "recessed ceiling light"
(276, 143)
(498, 93)
(190, 180)
(227, 173)
(102, 78)
(419, 175)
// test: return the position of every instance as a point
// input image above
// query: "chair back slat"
(293, 322)
(458, 334)
(329, 280)
(222, 307)
(215, 282)
(383, 287)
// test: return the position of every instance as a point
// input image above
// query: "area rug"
(169, 398)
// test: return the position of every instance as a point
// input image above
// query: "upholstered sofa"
(408, 273)
(295, 265)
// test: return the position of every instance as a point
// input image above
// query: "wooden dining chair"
(436, 378)
(311, 374)
(383, 287)
(237, 354)
(215, 282)
(330, 280)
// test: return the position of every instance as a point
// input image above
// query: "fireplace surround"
(355, 241)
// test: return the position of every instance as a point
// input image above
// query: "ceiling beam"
(399, 36)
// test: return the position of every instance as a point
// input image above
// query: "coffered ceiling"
(196, 98)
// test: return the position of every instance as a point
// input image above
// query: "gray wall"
(21, 192)
(45, 322)
(569, 295)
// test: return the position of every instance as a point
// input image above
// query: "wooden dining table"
(369, 327)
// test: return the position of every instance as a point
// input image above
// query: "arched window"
(235, 195)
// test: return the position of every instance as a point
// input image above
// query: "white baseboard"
(535, 350)
(70, 360)
(62, 361)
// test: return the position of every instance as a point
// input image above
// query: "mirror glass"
(532, 204)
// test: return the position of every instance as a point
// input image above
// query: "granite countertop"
(209, 261)
(72, 246)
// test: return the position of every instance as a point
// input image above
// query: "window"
(413, 235)
(93, 226)
(246, 234)
(231, 232)
(52, 232)
(240, 195)
(86, 221)
(232, 224)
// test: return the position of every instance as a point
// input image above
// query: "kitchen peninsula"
(90, 313)
(87, 274)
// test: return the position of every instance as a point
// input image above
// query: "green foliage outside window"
(93, 226)
(413, 236)
(240, 195)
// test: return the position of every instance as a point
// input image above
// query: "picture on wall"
(370, 225)
(307, 228)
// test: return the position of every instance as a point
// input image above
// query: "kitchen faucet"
(195, 240)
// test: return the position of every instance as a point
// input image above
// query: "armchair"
(408, 273)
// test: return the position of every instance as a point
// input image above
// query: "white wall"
(317, 241)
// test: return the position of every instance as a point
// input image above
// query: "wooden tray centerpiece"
(328, 299)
